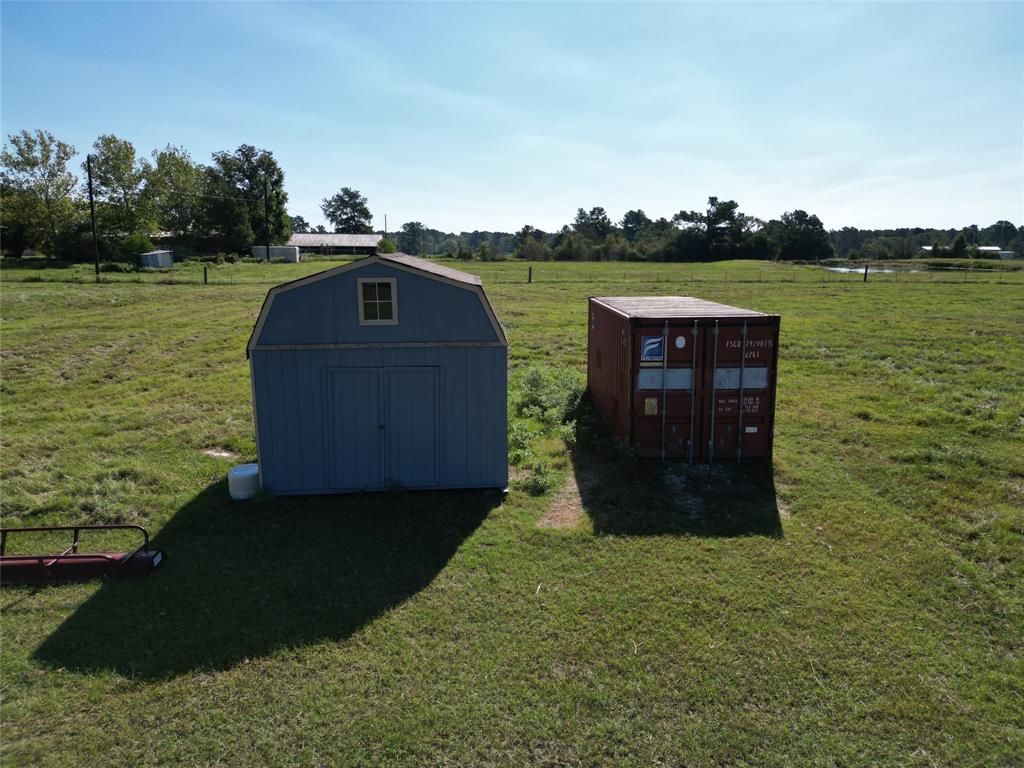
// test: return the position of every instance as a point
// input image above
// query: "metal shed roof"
(661, 307)
(334, 239)
(424, 265)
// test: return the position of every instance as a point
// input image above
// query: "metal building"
(287, 253)
(327, 243)
(157, 259)
(668, 374)
(389, 371)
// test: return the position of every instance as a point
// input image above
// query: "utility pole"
(266, 218)
(92, 211)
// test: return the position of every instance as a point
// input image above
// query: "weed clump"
(549, 396)
(539, 481)
(520, 436)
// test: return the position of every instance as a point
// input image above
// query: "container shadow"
(242, 580)
(624, 496)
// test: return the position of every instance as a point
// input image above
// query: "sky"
(491, 116)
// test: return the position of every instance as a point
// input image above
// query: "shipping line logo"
(652, 349)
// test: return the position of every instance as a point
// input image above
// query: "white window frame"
(394, 299)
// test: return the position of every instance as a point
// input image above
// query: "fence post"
(206, 278)
(529, 274)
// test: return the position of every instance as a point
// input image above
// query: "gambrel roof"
(400, 261)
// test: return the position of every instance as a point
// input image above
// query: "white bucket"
(244, 481)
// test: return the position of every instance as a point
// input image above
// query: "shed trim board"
(405, 263)
(255, 421)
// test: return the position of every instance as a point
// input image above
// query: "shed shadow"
(638, 497)
(242, 580)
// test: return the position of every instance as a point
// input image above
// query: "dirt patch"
(566, 508)
(783, 507)
(217, 452)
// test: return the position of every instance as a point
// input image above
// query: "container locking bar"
(739, 425)
(693, 380)
(714, 381)
(664, 385)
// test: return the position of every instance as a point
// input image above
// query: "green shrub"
(520, 457)
(127, 249)
(116, 266)
(567, 432)
(520, 435)
(540, 480)
(549, 395)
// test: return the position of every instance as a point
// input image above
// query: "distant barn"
(389, 371)
(336, 243)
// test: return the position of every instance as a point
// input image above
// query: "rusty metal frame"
(72, 553)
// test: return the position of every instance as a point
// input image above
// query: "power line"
(204, 194)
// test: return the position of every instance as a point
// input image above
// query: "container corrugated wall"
(608, 367)
(670, 387)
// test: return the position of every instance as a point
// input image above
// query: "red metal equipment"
(668, 374)
(72, 565)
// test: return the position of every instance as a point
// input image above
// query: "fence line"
(526, 275)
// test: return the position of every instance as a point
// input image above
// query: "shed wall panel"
(294, 429)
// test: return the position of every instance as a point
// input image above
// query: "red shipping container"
(668, 374)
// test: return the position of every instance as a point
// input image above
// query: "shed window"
(378, 302)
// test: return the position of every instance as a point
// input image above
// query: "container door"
(734, 431)
(412, 426)
(651, 373)
(356, 435)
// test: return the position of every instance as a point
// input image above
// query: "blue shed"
(391, 370)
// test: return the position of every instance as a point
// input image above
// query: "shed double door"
(383, 427)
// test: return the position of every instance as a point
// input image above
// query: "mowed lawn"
(860, 603)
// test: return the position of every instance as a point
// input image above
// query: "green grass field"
(859, 603)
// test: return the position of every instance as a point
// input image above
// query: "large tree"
(347, 211)
(226, 214)
(800, 235)
(633, 223)
(410, 239)
(717, 226)
(255, 181)
(38, 190)
(300, 225)
(594, 224)
(177, 191)
(119, 186)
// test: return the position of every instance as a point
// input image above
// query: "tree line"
(235, 200)
(720, 231)
(238, 198)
